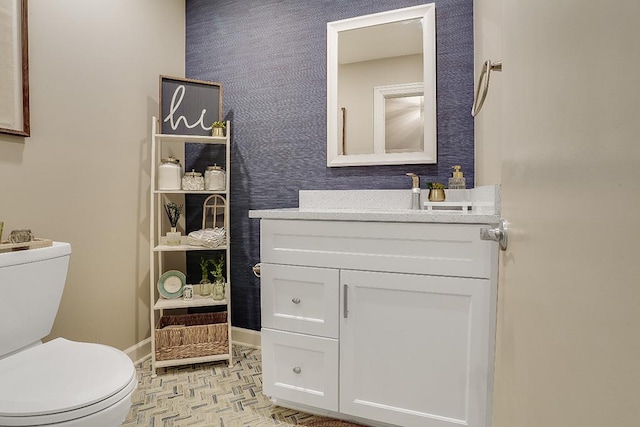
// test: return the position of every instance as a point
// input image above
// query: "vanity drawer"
(302, 368)
(421, 248)
(300, 299)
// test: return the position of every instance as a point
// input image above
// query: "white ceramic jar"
(169, 174)
(215, 178)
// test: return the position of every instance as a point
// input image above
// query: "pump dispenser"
(415, 191)
(457, 181)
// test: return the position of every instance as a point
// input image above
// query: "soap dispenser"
(457, 181)
(415, 191)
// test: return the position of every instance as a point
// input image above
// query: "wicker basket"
(195, 335)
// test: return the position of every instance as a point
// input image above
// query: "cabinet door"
(300, 368)
(414, 349)
(300, 299)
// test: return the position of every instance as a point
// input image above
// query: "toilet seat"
(62, 380)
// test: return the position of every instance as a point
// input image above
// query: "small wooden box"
(34, 244)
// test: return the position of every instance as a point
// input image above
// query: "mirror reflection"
(378, 110)
(404, 130)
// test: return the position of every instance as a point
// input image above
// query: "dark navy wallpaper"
(270, 56)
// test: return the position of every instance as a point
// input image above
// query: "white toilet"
(61, 382)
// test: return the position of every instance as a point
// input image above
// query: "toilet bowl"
(60, 382)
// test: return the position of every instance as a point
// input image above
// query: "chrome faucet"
(416, 203)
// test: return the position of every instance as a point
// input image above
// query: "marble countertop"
(482, 207)
(374, 215)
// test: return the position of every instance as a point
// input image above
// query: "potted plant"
(219, 281)
(217, 128)
(173, 213)
(436, 192)
(205, 283)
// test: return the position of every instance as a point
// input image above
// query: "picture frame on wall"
(14, 68)
(188, 106)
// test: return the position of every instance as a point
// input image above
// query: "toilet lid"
(61, 375)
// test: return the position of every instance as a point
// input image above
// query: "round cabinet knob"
(297, 370)
(295, 300)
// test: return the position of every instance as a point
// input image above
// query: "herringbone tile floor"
(208, 395)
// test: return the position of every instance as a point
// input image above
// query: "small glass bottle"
(174, 237)
(169, 174)
(214, 178)
(205, 287)
(217, 291)
(192, 181)
(457, 181)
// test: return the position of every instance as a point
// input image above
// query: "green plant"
(218, 266)
(221, 125)
(204, 267)
(435, 186)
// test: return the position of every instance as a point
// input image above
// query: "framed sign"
(14, 68)
(189, 107)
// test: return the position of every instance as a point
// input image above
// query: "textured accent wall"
(270, 56)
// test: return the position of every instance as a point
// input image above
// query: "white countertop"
(483, 204)
(374, 215)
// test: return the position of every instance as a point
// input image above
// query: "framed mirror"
(14, 68)
(381, 88)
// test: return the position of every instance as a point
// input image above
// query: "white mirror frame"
(429, 155)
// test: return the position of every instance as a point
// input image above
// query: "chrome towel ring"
(483, 84)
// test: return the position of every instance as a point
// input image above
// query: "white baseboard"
(139, 352)
(245, 337)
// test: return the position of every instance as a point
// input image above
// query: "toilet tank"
(31, 284)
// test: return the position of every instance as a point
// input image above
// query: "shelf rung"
(197, 301)
(187, 361)
(182, 248)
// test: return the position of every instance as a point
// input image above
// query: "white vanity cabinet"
(387, 323)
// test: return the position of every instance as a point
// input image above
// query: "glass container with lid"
(169, 174)
(193, 181)
(215, 178)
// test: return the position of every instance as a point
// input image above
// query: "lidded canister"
(215, 178)
(193, 181)
(169, 174)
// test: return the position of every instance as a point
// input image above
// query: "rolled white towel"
(209, 237)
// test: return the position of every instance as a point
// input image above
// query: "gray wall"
(270, 57)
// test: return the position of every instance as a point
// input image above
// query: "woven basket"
(197, 335)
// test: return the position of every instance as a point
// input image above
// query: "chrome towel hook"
(483, 84)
